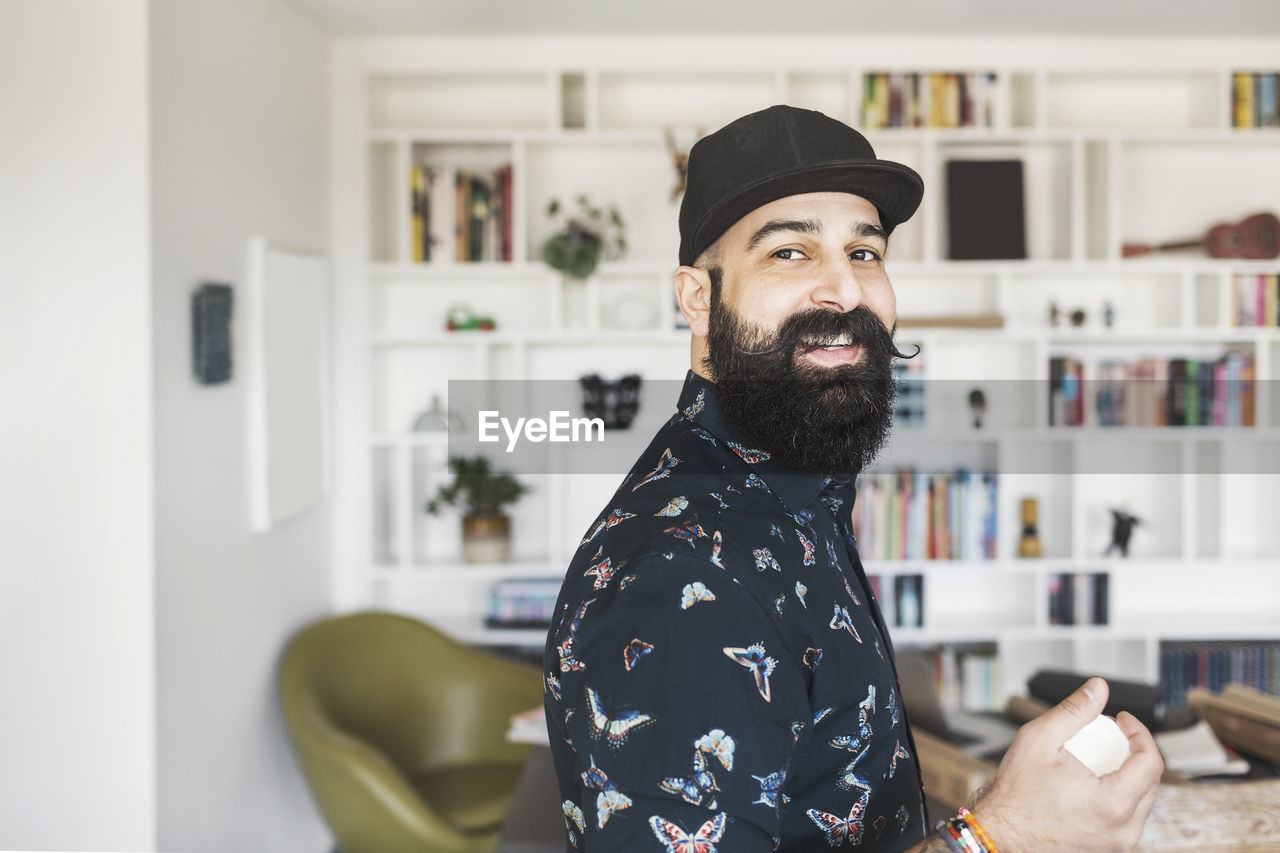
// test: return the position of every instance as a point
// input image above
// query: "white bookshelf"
(1116, 147)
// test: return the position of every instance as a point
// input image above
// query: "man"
(721, 676)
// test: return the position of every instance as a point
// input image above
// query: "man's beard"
(812, 419)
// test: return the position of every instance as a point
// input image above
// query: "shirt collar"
(699, 401)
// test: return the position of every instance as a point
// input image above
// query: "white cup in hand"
(1101, 745)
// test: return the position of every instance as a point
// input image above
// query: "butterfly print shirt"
(719, 676)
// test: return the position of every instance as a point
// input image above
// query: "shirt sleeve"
(685, 714)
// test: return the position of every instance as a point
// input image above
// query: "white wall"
(77, 687)
(239, 134)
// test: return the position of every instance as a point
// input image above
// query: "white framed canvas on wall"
(288, 382)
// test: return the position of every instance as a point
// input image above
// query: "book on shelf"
(1255, 300)
(986, 210)
(913, 515)
(418, 210)
(1163, 391)
(505, 213)
(909, 378)
(966, 677)
(479, 211)
(1254, 99)
(459, 215)
(1214, 664)
(921, 99)
(1079, 598)
(908, 601)
(461, 233)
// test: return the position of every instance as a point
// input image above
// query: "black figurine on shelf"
(1121, 529)
(1077, 317)
(1054, 313)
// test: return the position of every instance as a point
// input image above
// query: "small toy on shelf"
(1122, 526)
(462, 319)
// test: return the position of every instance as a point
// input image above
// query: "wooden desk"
(1231, 817)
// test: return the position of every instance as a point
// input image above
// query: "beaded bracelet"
(950, 836)
(964, 834)
(983, 838)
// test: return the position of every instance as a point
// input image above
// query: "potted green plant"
(584, 238)
(978, 406)
(481, 495)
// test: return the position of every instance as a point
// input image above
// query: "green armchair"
(400, 732)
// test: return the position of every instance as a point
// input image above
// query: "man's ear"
(693, 295)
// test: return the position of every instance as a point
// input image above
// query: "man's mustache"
(861, 326)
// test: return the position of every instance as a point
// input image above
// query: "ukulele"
(1256, 237)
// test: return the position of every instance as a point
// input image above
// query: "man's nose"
(838, 287)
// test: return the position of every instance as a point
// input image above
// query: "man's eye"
(864, 255)
(788, 254)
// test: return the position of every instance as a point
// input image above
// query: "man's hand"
(1043, 798)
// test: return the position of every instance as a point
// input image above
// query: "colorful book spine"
(443, 227)
(1247, 397)
(908, 596)
(1155, 391)
(1214, 664)
(1267, 101)
(506, 212)
(910, 404)
(460, 216)
(1079, 598)
(418, 212)
(911, 515)
(1254, 99)
(1066, 387)
(1242, 99)
(966, 678)
(932, 99)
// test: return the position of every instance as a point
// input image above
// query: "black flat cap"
(783, 151)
